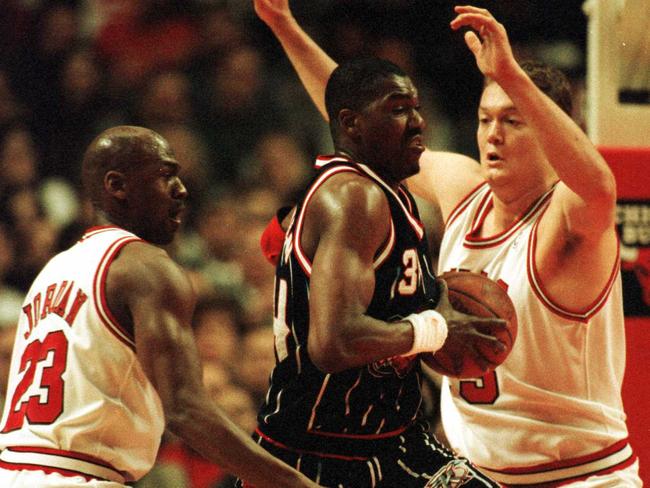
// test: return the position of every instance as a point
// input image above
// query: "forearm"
(211, 433)
(361, 341)
(568, 149)
(311, 63)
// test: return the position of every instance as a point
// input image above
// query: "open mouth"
(177, 214)
(416, 143)
(493, 157)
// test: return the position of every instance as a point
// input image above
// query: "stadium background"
(211, 78)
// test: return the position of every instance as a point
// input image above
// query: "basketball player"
(104, 357)
(344, 401)
(537, 213)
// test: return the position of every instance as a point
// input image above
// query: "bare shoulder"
(347, 210)
(351, 195)
(143, 269)
(445, 178)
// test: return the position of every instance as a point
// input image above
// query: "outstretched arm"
(445, 177)
(158, 296)
(576, 242)
(588, 193)
(312, 64)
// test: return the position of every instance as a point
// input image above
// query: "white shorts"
(32, 479)
(623, 478)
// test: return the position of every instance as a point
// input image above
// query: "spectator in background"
(19, 158)
(207, 250)
(143, 36)
(257, 362)
(21, 206)
(36, 61)
(165, 99)
(191, 151)
(81, 107)
(279, 165)
(11, 298)
(11, 109)
(217, 332)
(220, 32)
(236, 108)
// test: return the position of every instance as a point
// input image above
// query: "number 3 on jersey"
(39, 394)
(411, 275)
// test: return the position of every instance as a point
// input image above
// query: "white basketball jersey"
(78, 401)
(553, 409)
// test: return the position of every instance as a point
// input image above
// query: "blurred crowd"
(209, 77)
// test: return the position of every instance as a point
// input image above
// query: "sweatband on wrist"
(429, 331)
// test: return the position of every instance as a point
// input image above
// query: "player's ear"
(349, 122)
(115, 184)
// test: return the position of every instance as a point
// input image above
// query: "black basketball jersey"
(349, 411)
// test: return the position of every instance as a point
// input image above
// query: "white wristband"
(429, 331)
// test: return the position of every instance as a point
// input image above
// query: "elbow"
(328, 360)
(177, 418)
(332, 356)
(607, 186)
(180, 408)
(604, 195)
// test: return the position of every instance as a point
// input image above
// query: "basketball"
(476, 294)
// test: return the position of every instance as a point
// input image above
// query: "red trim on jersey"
(484, 206)
(327, 159)
(370, 437)
(567, 463)
(47, 470)
(418, 226)
(388, 246)
(304, 261)
(99, 292)
(23, 462)
(59, 452)
(406, 198)
(472, 239)
(312, 453)
(540, 469)
(538, 288)
(98, 229)
(464, 202)
(322, 161)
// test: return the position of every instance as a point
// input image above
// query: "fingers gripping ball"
(476, 294)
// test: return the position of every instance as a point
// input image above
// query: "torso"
(344, 411)
(557, 396)
(86, 391)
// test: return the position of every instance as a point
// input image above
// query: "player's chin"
(164, 234)
(412, 166)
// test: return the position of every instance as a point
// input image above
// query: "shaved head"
(130, 175)
(119, 148)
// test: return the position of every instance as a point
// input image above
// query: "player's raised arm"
(311, 63)
(160, 300)
(588, 200)
(445, 177)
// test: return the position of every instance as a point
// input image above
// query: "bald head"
(120, 148)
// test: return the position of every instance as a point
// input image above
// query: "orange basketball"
(476, 294)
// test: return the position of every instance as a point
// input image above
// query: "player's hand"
(273, 12)
(467, 332)
(491, 46)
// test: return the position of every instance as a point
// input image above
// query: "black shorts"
(413, 460)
